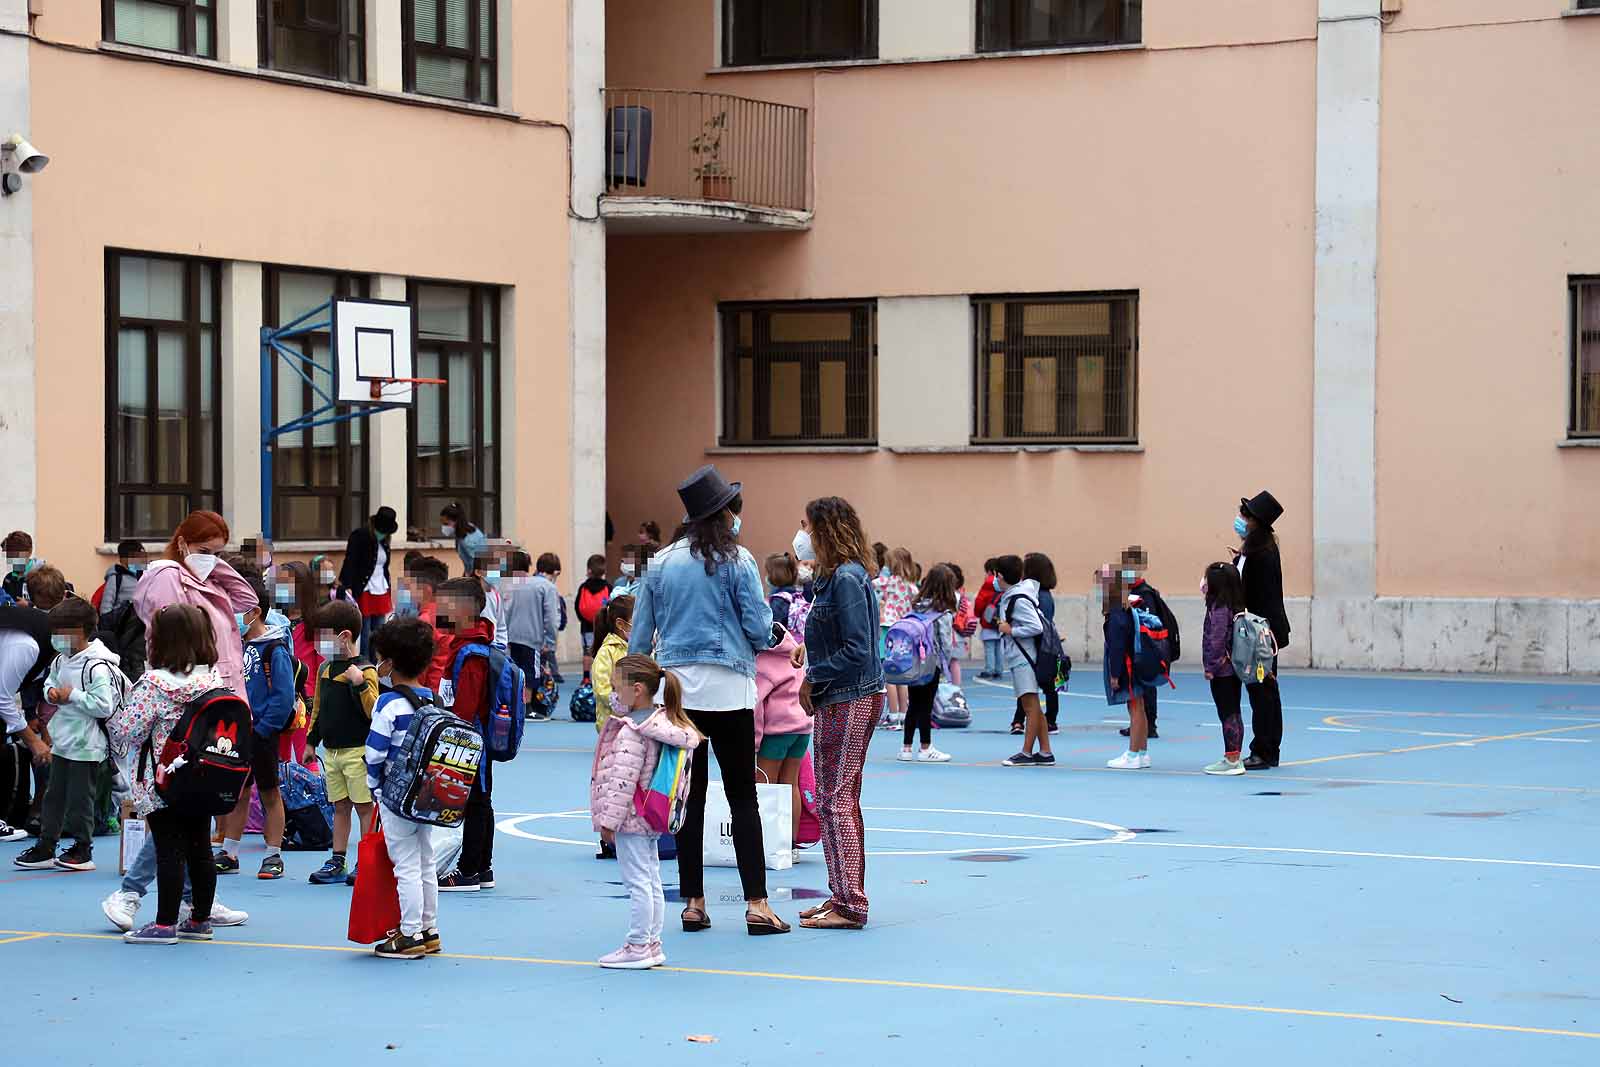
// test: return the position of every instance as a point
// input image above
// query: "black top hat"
(1263, 506)
(704, 493)
(384, 521)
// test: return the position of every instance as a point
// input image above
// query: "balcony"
(693, 162)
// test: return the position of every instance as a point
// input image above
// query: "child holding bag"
(646, 713)
(1224, 593)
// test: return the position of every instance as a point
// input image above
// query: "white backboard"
(371, 342)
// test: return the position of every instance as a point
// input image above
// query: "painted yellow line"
(20, 937)
(1440, 744)
(895, 983)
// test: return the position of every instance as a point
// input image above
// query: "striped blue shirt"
(391, 718)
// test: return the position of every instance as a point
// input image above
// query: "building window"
(163, 393)
(317, 38)
(758, 32)
(319, 475)
(450, 49)
(799, 374)
(1056, 368)
(1585, 420)
(1018, 25)
(187, 26)
(455, 427)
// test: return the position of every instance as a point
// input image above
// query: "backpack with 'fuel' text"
(429, 775)
(204, 764)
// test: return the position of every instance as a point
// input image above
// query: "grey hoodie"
(119, 589)
(1026, 623)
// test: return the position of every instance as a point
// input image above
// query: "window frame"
(862, 346)
(1577, 286)
(346, 286)
(471, 498)
(345, 35)
(983, 348)
(867, 48)
(192, 325)
(187, 10)
(411, 47)
(1014, 12)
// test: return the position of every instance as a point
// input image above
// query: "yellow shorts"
(346, 771)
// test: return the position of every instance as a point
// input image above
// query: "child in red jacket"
(465, 691)
(988, 627)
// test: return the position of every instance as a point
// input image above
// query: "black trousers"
(183, 842)
(732, 735)
(69, 802)
(919, 709)
(16, 780)
(1266, 717)
(1150, 705)
(1050, 700)
(477, 833)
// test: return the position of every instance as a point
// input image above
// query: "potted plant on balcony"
(715, 181)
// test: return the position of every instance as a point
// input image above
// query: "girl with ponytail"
(646, 714)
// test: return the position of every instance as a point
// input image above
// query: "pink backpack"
(810, 828)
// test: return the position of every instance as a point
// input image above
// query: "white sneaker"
(932, 755)
(1128, 761)
(1144, 760)
(221, 914)
(11, 833)
(905, 756)
(122, 908)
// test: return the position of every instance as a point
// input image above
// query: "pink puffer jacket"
(778, 709)
(625, 756)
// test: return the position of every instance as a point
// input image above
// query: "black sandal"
(759, 925)
(695, 920)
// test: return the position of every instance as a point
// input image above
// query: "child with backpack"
(162, 709)
(783, 729)
(789, 603)
(405, 645)
(965, 624)
(84, 687)
(1022, 629)
(592, 596)
(1135, 562)
(341, 714)
(896, 590)
(647, 714)
(984, 606)
(1117, 663)
(269, 681)
(121, 577)
(1223, 591)
(469, 689)
(934, 613)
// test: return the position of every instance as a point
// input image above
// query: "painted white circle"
(983, 842)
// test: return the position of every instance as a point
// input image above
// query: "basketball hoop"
(380, 384)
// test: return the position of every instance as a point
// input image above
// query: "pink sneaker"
(629, 958)
(657, 955)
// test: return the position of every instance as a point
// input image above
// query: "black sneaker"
(331, 873)
(11, 833)
(608, 851)
(225, 863)
(431, 943)
(37, 857)
(401, 947)
(1124, 731)
(1153, 734)
(1021, 759)
(486, 879)
(1016, 728)
(1054, 728)
(80, 857)
(271, 867)
(1044, 759)
(456, 882)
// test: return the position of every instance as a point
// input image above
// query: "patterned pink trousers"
(841, 734)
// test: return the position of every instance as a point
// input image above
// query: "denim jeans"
(991, 657)
(142, 871)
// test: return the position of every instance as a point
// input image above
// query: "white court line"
(1565, 740)
(1334, 729)
(1436, 733)
(1369, 855)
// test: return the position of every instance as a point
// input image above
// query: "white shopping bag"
(777, 826)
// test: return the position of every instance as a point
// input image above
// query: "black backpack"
(122, 631)
(204, 765)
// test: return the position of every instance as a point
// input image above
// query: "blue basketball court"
(1415, 884)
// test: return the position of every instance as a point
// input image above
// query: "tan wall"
(1488, 204)
(156, 157)
(1184, 174)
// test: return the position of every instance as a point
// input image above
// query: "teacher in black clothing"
(364, 578)
(1262, 570)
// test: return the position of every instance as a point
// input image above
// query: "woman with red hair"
(191, 572)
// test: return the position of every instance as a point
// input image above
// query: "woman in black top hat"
(365, 573)
(1262, 570)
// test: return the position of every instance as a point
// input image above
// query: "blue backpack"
(911, 649)
(1152, 649)
(503, 720)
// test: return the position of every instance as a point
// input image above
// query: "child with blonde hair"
(646, 714)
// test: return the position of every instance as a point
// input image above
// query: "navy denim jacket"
(842, 656)
(685, 615)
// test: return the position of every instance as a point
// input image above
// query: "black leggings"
(1225, 691)
(182, 841)
(919, 709)
(16, 780)
(733, 735)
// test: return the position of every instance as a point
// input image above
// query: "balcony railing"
(712, 147)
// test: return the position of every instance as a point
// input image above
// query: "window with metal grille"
(163, 393)
(1056, 369)
(450, 49)
(187, 26)
(455, 427)
(756, 32)
(1018, 25)
(799, 374)
(317, 38)
(1585, 299)
(319, 475)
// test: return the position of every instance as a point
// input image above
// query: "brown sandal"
(818, 910)
(695, 920)
(828, 919)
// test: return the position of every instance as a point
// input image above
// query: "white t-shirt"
(378, 583)
(711, 687)
(18, 653)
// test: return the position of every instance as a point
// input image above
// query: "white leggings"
(411, 850)
(640, 864)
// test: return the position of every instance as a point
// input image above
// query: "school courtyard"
(1414, 885)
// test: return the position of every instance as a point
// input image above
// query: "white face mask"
(628, 569)
(802, 547)
(448, 530)
(201, 564)
(738, 524)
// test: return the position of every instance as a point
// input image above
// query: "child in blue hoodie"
(269, 683)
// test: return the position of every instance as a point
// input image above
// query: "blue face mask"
(1241, 527)
(1129, 575)
(492, 577)
(404, 603)
(136, 569)
(243, 626)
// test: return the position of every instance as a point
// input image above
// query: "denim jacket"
(688, 616)
(842, 655)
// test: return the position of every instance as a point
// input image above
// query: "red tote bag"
(375, 901)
